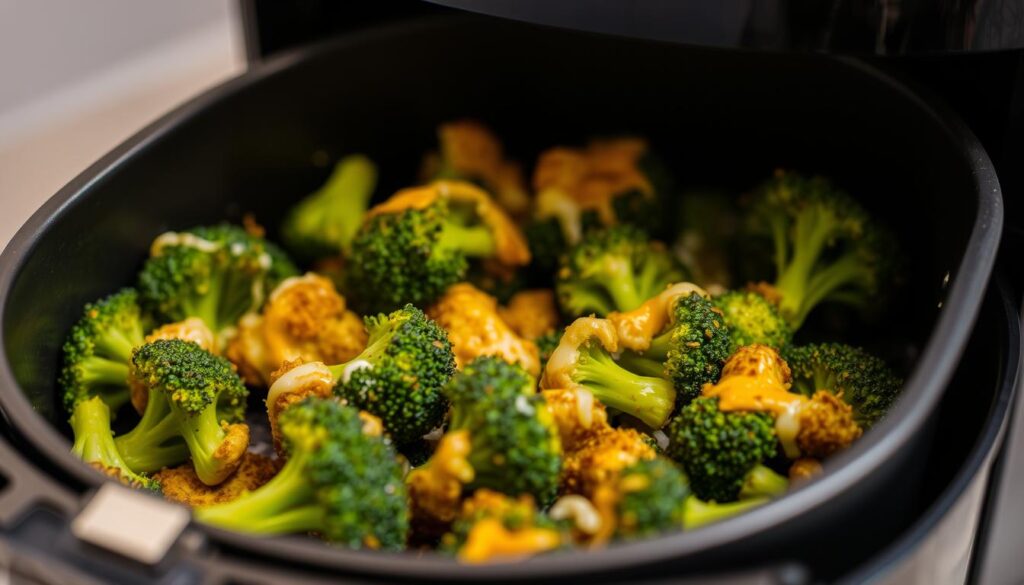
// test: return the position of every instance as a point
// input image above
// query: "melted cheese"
(183, 239)
(557, 373)
(296, 379)
(638, 327)
(489, 540)
(579, 510)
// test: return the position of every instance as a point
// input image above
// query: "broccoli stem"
(475, 241)
(117, 345)
(203, 435)
(762, 482)
(650, 399)
(651, 362)
(622, 286)
(284, 504)
(345, 196)
(90, 422)
(846, 270)
(812, 232)
(97, 371)
(145, 448)
(697, 513)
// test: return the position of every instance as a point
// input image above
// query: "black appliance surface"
(720, 118)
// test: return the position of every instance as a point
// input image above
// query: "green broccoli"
(750, 318)
(654, 497)
(215, 273)
(862, 380)
(414, 255)
(826, 247)
(98, 350)
(94, 443)
(690, 353)
(546, 345)
(400, 375)
(706, 229)
(324, 223)
(614, 269)
(719, 450)
(338, 482)
(515, 447)
(648, 398)
(182, 417)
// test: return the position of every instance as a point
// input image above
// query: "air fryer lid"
(720, 118)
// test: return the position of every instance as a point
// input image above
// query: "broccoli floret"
(763, 482)
(862, 380)
(547, 244)
(614, 269)
(691, 352)
(94, 443)
(648, 398)
(98, 350)
(652, 498)
(338, 482)
(706, 228)
(826, 247)
(751, 319)
(400, 375)
(495, 527)
(719, 449)
(324, 223)
(182, 417)
(215, 273)
(515, 447)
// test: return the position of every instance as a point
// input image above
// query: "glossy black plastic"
(720, 118)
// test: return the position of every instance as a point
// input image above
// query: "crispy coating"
(578, 416)
(476, 329)
(766, 290)
(435, 489)
(759, 361)
(305, 318)
(593, 176)
(531, 313)
(804, 469)
(600, 458)
(292, 383)
(181, 484)
(826, 425)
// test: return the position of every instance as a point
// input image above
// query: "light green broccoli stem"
(812, 231)
(117, 345)
(377, 345)
(98, 371)
(697, 513)
(474, 241)
(155, 442)
(762, 482)
(94, 441)
(650, 399)
(848, 269)
(203, 434)
(623, 287)
(283, 505)
(650, 362)
(336, 210)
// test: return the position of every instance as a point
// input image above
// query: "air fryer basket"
(719, 118)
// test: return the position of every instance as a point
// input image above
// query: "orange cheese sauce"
(638, 327)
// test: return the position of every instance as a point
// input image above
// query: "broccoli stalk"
(338, 482)
(182, 418)
(614, 269)
(762, 482)
(697, 513)
(826, 247)
(324, 223)
(400, 375)
(99, 348)
(94, 443)
(648, 398)
(690, 353)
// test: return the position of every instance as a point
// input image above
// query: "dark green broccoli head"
(94, 443)
(400, 375)
(414, 255)
(186, 384)
(338, 482)
(862, 380)
(648, 398)
(718, 449)
(652, 496)
(614, 269)
(515, 445)
(324, 223)
(216, 273)
(751, 319)
(547, 244)
(98, 350)
(691, 352)
(826, 246)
